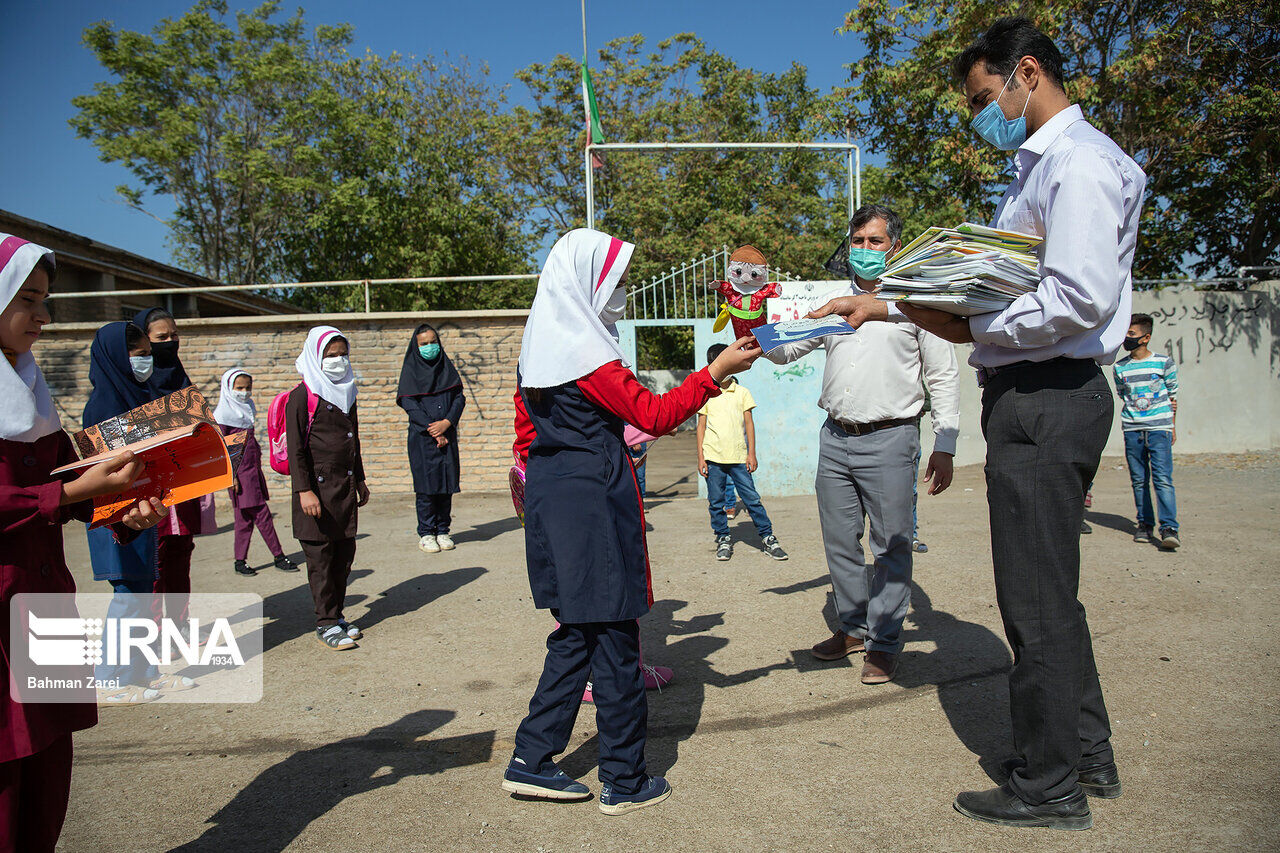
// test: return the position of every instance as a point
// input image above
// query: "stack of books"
(969, 269)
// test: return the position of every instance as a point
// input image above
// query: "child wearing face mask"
(36, 737)
(584, 520)
(236, 411)
(328, 477)
(176, 537)
(430, 392)
(120, 370)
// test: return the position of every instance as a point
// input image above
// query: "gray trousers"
(868, 477)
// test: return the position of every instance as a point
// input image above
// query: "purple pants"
(246, 518)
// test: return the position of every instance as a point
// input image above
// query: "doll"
(745, 291)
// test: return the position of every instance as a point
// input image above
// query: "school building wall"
(484, 347)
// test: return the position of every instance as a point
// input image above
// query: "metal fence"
(687, 292)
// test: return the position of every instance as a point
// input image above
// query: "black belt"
(986, 374)
(863, 429)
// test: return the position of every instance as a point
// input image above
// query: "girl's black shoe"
(284, 564)
(242, 568)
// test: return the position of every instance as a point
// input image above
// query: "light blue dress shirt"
(1075, 188)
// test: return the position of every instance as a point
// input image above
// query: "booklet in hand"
(178, 465)
(774, 335)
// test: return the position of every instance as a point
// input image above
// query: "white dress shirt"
(874, 375)
(1075, 188)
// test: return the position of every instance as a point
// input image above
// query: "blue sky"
(52, 176)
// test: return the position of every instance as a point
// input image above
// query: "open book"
(969, 269)
(178, 465)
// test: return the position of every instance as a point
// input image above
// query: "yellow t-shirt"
(725, 439)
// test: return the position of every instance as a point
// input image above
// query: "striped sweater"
(1147, 389)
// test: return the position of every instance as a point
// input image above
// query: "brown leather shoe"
(879, 667)
(840, 645)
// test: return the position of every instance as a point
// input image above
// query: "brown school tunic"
(327, 463)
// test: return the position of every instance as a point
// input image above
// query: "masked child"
(236, 411)
(328, 477)
(430, 392)
(584, 521)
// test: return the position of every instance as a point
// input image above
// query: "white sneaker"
(429, 544)
(445, 543)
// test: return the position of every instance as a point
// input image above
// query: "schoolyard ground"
(400, 745)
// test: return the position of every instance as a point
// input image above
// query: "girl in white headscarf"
(249, 495)
(35, 736)
(323, 436)
(584, 522)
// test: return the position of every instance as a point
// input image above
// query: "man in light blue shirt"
(1046, 411)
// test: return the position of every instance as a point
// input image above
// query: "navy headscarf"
(115, 390)
(169, 375)
(419, 377)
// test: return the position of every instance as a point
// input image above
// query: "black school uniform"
(328, 463)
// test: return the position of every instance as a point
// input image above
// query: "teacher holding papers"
(1046, 411)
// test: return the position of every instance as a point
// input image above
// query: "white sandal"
(130, 694)
(173, 683)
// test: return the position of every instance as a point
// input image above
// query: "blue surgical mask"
(142, 366)
(429, 351)
(992, 126)
(868, 264)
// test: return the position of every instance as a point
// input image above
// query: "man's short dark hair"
(1002, 46)
(868, 212)
(713, 351)
(1143, 322)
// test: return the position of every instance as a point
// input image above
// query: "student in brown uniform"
(328, 476)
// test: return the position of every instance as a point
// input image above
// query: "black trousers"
(608, 653)
(1046, 425)
(328, 566)
(434, 513)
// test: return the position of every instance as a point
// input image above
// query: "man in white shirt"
(873, 396)
(1046, 412)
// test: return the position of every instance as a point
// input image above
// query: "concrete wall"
(484, 346)
(1225, 343)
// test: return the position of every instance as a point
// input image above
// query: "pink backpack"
(277, 444)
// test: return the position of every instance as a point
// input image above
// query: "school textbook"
(965, 270)
(183, 452)
(773, 335)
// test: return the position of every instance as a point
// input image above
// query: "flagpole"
(586, 158)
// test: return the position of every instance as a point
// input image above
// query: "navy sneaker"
(654, 790)
(548, 786)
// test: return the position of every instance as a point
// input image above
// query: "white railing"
(687, 292)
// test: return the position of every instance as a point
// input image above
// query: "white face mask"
(142, 366)
(336, 367)
(242, 396)
(615, 307)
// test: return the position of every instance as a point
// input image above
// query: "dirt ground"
(400, 745)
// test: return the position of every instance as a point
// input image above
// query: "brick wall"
(484, 347)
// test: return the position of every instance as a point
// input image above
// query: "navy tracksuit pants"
(608, 653)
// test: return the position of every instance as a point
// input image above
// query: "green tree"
(674, 205)
(1185, 87)
(289, 160)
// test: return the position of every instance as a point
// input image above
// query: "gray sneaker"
(724, 547)
(1143, 534)
(773, 549)
(1169, 539)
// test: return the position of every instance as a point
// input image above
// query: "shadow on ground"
(271, 811)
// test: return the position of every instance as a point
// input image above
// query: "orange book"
(178, 465)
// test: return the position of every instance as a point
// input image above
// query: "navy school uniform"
(587, 560)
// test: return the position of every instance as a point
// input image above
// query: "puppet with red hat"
(745, 291)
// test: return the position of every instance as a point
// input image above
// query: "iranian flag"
(592, 113)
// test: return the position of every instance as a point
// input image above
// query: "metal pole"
(366, 296)
(591, 184)
(857, 154)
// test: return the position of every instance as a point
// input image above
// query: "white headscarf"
(564, 338)
(231, 412)
(341, 393)
(26, 407)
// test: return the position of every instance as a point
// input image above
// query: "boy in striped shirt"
(1147, 383)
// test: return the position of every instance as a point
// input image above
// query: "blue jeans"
(718, 476)
(1150, 456)
(129, 603)
(638, 452)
